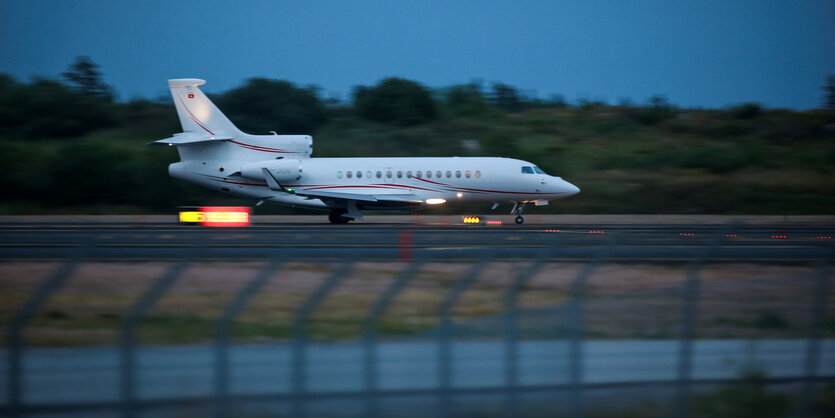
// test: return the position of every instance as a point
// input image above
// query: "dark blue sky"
(696, 53)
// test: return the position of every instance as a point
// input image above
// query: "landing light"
(460, 195)
(191, 217)
(435, 201)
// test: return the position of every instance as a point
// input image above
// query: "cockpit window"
(527, 170)
(538, 170)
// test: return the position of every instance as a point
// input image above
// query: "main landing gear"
(517, 210)
(336, 216)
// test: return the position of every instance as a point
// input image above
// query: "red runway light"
(825, 237)
(552, 230)
(780, 236)
(731, 235)
(597, 231)
(687, 234)
(493, 222)
(226, 216)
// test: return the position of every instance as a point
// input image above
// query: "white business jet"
(279, 169)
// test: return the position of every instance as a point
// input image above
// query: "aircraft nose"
(565, 188)
(571, 189)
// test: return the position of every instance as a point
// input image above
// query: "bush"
(465, 100)
(395, 101)
(49, 109)
(656, 112)
(262, 105)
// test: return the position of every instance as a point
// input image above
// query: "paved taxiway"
(92, 374)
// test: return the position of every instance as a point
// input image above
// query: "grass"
(623, 302)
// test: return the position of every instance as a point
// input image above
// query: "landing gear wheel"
(335, 217)
(517, 210)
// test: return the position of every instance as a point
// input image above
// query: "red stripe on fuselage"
(243, 184)
(378, 186)
(259, 148)
(476, 190)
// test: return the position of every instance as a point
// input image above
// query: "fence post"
(444, 343)
(371, 324)
(816, 326)
(128, 335)
(18, 323)
(511, 331)
(577, 292)
(689, 312)
(222, 334)
(300, 334)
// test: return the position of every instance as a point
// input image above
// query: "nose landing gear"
(517, 210)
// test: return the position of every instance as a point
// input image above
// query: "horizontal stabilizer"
(189, 138)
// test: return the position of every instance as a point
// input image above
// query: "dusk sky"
(696, 53)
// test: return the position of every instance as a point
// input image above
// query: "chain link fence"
(599, 330)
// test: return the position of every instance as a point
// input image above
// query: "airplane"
(280, 169)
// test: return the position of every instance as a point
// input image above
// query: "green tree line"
(67, 146)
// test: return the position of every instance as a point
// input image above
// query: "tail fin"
(197, 113)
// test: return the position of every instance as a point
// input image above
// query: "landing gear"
(517, 210)
(335, 216)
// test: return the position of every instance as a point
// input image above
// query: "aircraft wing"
(189, 138)
(399, 198)
(329, 197)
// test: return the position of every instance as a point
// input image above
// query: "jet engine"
(283, 170)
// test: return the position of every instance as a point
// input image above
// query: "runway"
(442, 237)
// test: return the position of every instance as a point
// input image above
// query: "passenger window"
(400, 174)
(458, 174)
(467, 174)
(527, 170)
(448, 174)
(438, 174)
(339, 174)
(388, 174)
(359, 174)
(477, 174)
(348, 174)
(409, 174)
(418, 174)
(379, 175)
(428, 174)
(368, 174)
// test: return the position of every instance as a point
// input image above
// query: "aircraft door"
(541, 184)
